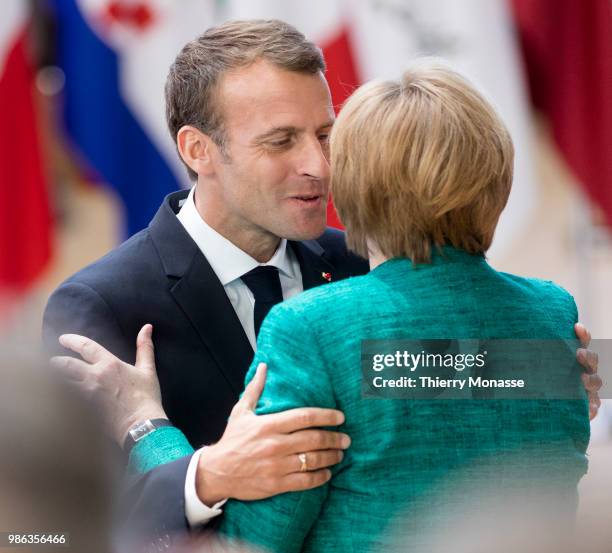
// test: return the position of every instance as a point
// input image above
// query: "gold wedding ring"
(302, 458)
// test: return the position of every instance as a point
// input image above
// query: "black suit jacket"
(160, 276)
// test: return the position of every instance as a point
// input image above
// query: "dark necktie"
(265, 285)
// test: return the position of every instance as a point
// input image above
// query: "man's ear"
(196, 150)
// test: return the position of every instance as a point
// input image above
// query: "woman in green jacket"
(421, 171)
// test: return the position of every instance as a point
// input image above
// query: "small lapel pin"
(326, 276)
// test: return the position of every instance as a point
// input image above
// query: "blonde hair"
(420, 162)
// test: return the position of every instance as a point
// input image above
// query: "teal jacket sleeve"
(296, 354)
(297, 377)
(163, 446)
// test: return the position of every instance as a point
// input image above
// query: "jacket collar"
(201, 296)
(313, 261)
(176, 249)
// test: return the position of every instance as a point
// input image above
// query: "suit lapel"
(204, 301)
(200, 295)
(316, 270)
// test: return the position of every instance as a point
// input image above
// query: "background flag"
(567, 47)
(116, 55)
(25, 220)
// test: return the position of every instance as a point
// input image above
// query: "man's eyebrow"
(287, 130)
(330, 123)
(274, 131)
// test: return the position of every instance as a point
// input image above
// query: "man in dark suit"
(201, 349)
(251, 125)
(250, 111)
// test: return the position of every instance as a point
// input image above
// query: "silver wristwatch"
(141, 429)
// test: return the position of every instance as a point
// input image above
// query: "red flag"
(25, 221)
(567, 46)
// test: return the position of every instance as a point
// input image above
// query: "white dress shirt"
(229, 263)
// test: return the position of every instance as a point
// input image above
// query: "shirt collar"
(227, 260)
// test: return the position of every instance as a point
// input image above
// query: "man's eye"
(280, 142)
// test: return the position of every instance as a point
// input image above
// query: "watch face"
(140, 431)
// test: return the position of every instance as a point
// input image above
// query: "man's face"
(276, 180)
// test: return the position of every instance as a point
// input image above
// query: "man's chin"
(310, 232)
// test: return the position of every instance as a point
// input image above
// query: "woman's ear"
(195, 149)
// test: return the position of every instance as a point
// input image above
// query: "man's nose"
(313, 159)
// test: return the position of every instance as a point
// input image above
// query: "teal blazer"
(406, 455)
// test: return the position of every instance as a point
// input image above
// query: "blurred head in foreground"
(442, 175)
(55, 474)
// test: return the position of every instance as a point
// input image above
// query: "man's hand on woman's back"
(257, 456)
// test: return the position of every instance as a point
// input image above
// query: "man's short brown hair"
(419, 162)
(192, 80)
